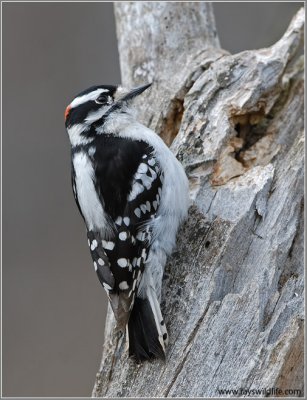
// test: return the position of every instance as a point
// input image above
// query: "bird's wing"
(123, 257)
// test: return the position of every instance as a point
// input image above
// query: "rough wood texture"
(169, 45)
(233, 290)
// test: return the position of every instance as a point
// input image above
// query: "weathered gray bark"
(233, 290)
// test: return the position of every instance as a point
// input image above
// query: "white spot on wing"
(137, 188)
(108, 245)
(137, 212)
(94, 244)
(119, 221)
(147, 181)
(142, 168)
(123, 285)
(122, 262)
(123, 235)
(127, 221)
(91, 151)
(100, 261)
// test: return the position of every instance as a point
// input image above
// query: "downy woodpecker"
(132, 194)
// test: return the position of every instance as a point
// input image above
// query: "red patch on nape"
(67, 111)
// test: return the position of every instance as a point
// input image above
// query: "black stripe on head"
(78, 113)
(111, 90)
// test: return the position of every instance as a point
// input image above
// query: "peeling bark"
(233, 290)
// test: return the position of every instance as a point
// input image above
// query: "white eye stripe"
(86, 97)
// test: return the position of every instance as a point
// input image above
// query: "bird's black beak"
(118, 104)
(135, 92)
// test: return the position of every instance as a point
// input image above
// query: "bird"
(133, 195)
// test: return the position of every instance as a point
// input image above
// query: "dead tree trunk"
(233, 290)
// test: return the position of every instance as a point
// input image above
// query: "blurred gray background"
(53, 305)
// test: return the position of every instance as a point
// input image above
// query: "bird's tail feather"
(146, 328)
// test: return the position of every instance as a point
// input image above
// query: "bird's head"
(96, 105)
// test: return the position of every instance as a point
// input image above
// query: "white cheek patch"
(87, 97)
(75, 134)
(95, 115)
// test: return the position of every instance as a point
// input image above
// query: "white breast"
(89, 202)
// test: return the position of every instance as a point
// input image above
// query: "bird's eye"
(103, 98)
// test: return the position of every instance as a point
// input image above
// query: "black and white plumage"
(133, 194)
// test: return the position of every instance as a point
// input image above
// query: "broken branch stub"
(164, 43)
(233, 290)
